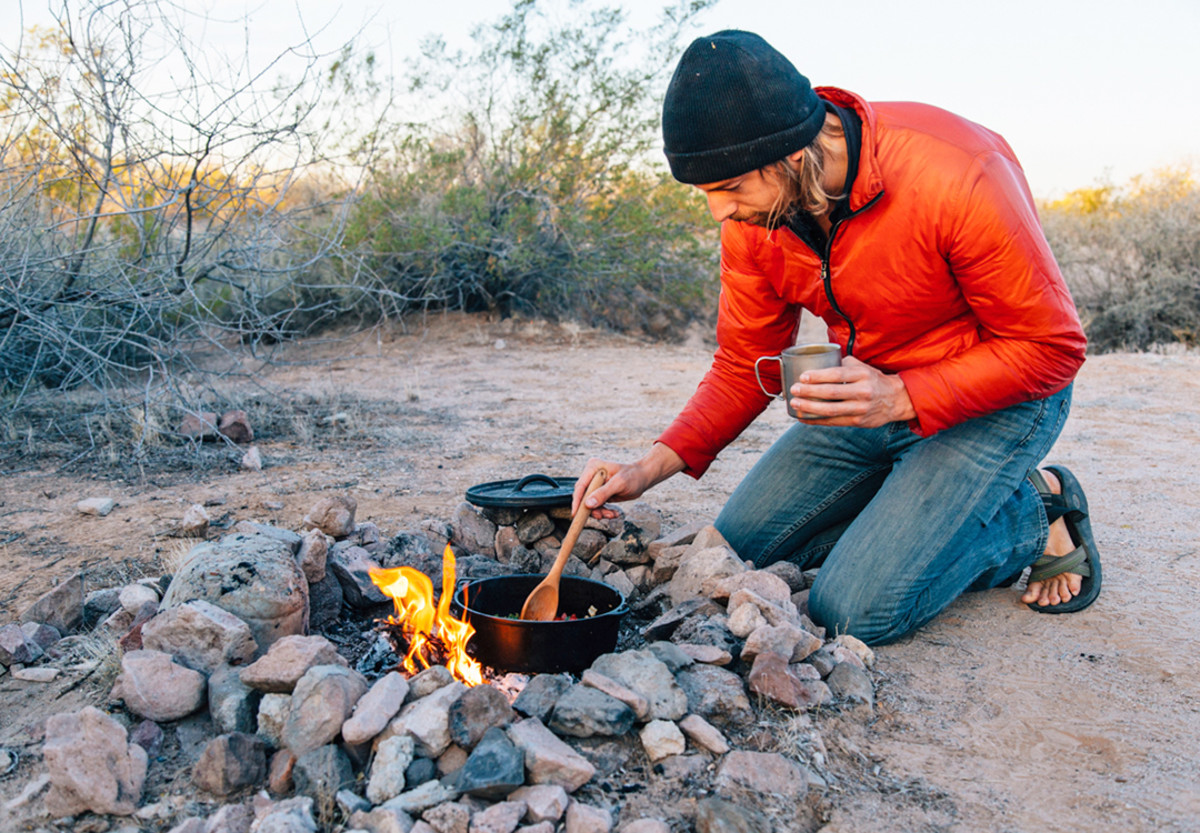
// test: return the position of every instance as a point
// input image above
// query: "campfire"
(432, 633)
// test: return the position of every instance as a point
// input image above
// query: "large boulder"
(155, 687)
(200, 635)
(254, 577)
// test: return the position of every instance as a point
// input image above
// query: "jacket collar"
(868, 182)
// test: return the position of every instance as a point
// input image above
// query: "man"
(913, 234)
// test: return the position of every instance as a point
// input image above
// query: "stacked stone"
(427, 753)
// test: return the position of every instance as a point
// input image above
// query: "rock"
(232, 818)
(647, 675)
(584, 818)
(708, 654)
(60, 608)
(782, 639)
(549, 760)
(333, 515)
(420, 771)
(272, 715)
(636, 702)
(200, 635)
(279, 772)
(254, 577)
(763, 582)
(235, 426)
(452, 760)
(628, 548)
(295, 815)
(429, 794)
(477, 710)
(704, 734)
(232, 704)
(539, 696)
(132, 640)
(92, 765)
(319, 773)
(275, 533)
(314, 549)
(381, 820)
(701, 571)
(621, 581)
(662, 738)
(664, 626)
(287, 660)
(98, 604)
(857, 647)
(790, 573)
(230, 763)
(584, 711)
(392, 758)
(325, 602)
(45, 674)
(670, 654)
(252, 460)
(195, 522)
(201, 425)
(646, 826)
(771, 678)
(499, 818)
(17, 647)
(746, 620)
(716, 695)
(823, 661)
(350, 803)
(474, 532)
(506, 541)
(99, 506)
(494, 768)
(543, 802)
(716, 816)
(428, 681)
(427, 720)
(851, 684)
(532, 526)
(712, 630)
(376, 708)
(322, 700)
(352, 565)
(148, 735)
(448, 818)
(156, 688)
(750, 775)
(133, 596)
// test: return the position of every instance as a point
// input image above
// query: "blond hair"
(802, 185)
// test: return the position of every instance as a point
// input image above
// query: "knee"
(848, 610)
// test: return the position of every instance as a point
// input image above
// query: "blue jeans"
(901, 525)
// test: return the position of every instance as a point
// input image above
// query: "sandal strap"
(1054, 505)
(1049, 566)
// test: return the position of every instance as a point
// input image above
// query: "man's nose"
(720, 206)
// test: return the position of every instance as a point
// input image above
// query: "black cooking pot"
(521, 645)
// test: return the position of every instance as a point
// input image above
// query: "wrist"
(902, 406)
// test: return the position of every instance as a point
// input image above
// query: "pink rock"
(201, 635)
(584, 818)
(156, 688)
(321, 702)
(314, 549)
(287, 660)
(543, 802)
(376, 708)
(549, 760)
(235, 425)
(92, 765)
(332, 515)
(199, 426)
(230, 763)
(704, 734)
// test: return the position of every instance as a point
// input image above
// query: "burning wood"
(433, 634)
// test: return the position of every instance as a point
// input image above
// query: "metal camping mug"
(794, 361)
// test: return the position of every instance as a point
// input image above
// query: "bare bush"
(1132, 259)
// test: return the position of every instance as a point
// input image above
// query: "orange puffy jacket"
(941, 272)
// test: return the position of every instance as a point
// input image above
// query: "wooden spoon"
(542, 602)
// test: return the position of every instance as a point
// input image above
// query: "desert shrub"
(1131, 256)
(536, 191)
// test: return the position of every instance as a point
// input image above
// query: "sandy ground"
(992, 718)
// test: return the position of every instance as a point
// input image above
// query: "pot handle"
(535, 478)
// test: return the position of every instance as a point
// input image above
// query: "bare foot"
(1064, 586)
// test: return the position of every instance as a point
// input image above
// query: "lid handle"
(535, 478)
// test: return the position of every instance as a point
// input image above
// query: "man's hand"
(854, 394)
(626, 481)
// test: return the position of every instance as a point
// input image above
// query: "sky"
(1085, 91)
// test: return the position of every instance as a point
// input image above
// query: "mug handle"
(759, 378)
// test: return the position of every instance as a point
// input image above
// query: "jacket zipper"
(827, 278)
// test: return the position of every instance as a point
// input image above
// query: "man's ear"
(795, 157)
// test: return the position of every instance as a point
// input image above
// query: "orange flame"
(412, 593)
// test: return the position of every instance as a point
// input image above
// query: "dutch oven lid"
(531, 490)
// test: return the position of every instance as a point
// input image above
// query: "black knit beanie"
(734, 105)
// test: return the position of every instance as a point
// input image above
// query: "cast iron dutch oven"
(511, 644)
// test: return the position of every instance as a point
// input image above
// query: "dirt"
(991, 718)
